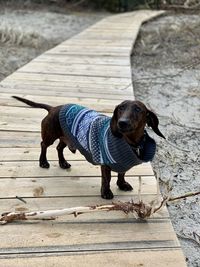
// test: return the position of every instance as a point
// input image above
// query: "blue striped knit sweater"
(90, 133)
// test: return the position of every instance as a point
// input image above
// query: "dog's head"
(131, 117)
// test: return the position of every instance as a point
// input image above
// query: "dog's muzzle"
(124, 125)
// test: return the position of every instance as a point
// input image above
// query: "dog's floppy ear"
(152, 121)
(113, 124)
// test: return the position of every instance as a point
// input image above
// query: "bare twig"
(191, 128)
(162, 203)
(21, 199)
(179, 148)
(139, 188)
(190, 194)
(127, 86)
(194, 237)
(170, 76)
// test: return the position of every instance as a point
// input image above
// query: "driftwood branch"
(138, 210)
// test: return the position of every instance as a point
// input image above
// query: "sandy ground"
(24, 34)
(166, 76)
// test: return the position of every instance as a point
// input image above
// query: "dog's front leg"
(105, 182)
(122, 184)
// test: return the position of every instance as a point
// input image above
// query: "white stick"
(139, 189)
(138, 210)
(157, 186)
(52, 214)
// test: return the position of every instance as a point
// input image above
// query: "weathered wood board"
(92, 69)
(163, 257)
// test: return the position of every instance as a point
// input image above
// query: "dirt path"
(166, 76)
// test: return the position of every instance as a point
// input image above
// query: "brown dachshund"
(116, 143)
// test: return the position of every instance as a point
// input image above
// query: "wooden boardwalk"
(92, 69)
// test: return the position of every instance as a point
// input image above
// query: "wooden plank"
(21, 119)
(111, 28)
(31, 154)
(64, 92)
(31, 121)
(23, 169)
(74, 237)
(65, 89)
(68, 78)
(99, 52)
(104, 27)
(86, 47)
(142, 258)
(105, 35)
(9, 139)
(12, 124)
(133, 17)
(102, 105)
(84, 59)
(82, 70)
(67, 185)
(100, 43)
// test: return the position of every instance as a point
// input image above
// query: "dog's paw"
(107, 194)
(64, 165)
(44, 164)
(125, 186)
(73, 150)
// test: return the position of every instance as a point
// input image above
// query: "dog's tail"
(33, 104)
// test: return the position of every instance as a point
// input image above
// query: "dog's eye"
(121, 108)
(137, 109)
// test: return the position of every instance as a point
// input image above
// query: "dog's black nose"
(124, 123)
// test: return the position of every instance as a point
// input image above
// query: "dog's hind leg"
(43, 159)
(62, 161)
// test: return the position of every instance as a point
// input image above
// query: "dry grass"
(161, 45)
(18, 37)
